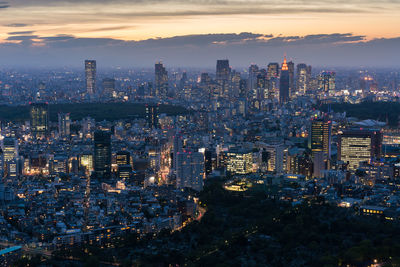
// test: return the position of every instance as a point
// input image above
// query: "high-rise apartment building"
(152, 116)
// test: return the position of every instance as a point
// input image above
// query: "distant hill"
(369, 110)
(98, 111)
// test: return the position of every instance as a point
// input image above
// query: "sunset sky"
(199, 31)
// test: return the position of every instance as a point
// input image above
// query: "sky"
(194, 33)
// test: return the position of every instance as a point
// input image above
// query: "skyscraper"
(10, 148)
(123, 158)
(284, 85)
(160, 81)
(357, 145)
(320, 137)
(327, 83)
(303, 78)
(273, 70)
(108, 87)
(102, 153)
(152, 115)
(39, 113)
(223, 73)
(292, 89)
(90, 74)
(64, 124)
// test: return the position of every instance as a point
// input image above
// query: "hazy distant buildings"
(102, 153)
(108, 87)
(64, 124)
(161, 81)
(284, 85)
(303, 78)
(39, 119)
(223, 72)
(327, 83)
(90, 74)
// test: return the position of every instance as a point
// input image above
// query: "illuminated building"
(124, 171)
(123, 158)
(327, 83)
(284, 85)
(320, 137)
(190, 170)
(102, 153)
(10, 148)
(356, 146)
(303, 78)
(152, 116)
(90, 75)
(39, 113)
(161, 81)
(276, 157)
(86, 162)
(239, 161)
(64, 124)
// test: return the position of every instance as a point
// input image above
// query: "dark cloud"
(4, 5)
(22, 37)
(20, 33)
(17, 25)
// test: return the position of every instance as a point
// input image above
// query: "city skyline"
(192, 33)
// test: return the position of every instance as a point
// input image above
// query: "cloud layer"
(337, 49)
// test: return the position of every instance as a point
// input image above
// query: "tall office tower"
(292, 89)
(10, 149)
(252, 80)
(160, 81)
(102, 154)
(64, 124)
(284, 83)
(190, 171)
(239, 161)
(320, 137)
(273, 70)
(262, 85)
(86, 162)
(152, 115)
(39, 114)
(235, 85)
(108, 87)
(90, 74)
(205, 78)
(223, 74)
(303, 78)
(123, 158)
(356, 146)
(327, 83)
